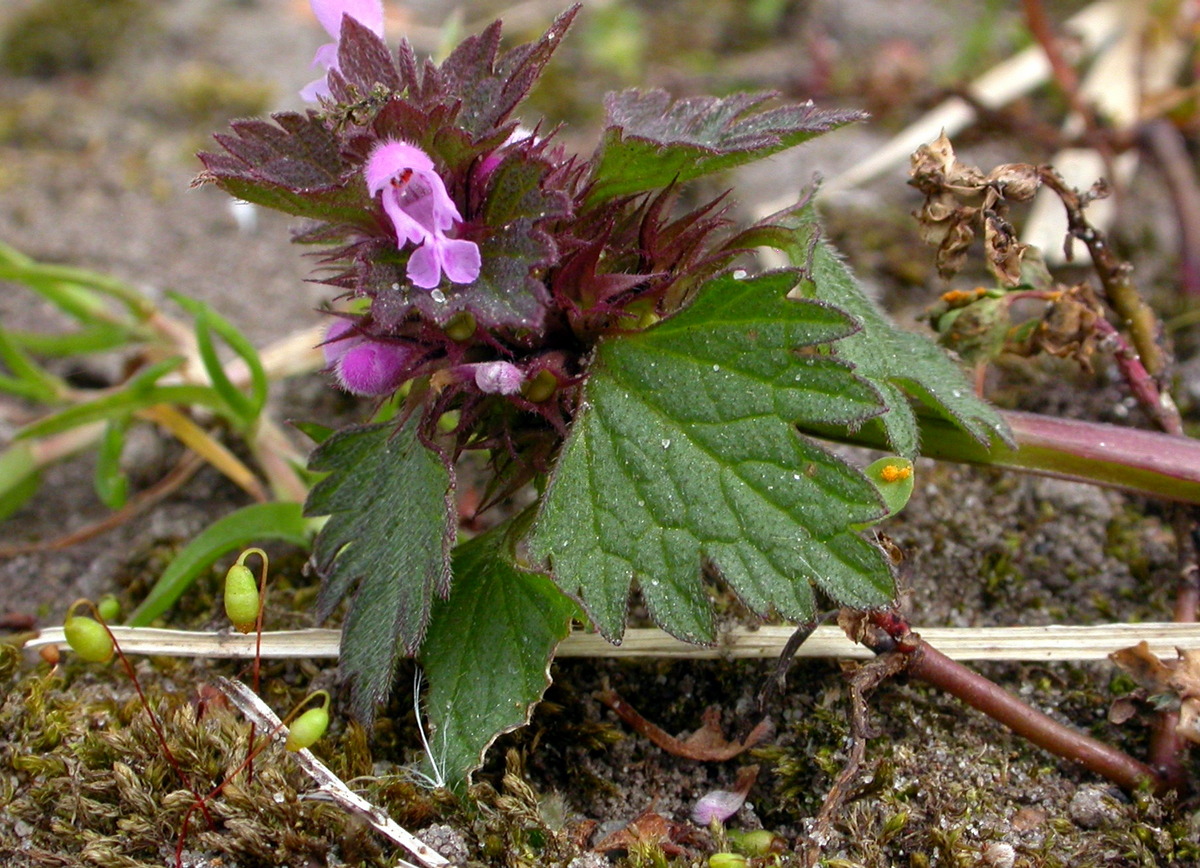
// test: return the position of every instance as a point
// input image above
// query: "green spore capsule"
(109, 608)
(307, 728)
(241, 597)
(758, 842)
(727, 860)
(88, 639)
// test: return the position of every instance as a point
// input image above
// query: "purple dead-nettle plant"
(561, 317)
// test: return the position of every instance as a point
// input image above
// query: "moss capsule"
(109, 608)
(88, 639)
(241, 597)
(307, 728)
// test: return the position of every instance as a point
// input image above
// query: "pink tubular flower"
(368, 13)
(362, 366)
(416, 201)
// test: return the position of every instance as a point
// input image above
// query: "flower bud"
(461, 327)
(241, 597)
(88, 639)
(541, 387)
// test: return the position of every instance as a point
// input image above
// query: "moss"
(85, 773)
(54, 37)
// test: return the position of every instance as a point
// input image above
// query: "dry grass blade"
(1047, 643)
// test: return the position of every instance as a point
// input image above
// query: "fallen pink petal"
(717, 805)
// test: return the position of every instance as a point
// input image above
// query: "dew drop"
(396, 287)
(666, 443)
(438, 296)
(716, 367)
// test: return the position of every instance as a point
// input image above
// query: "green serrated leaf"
(902, 365)
(391, 525)
(250, 524)
(650, 141)
(684, 450)
(487, 654)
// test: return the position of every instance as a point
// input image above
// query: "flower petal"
(373, 368)
(460, 260)
(368, 13)
(390, 158)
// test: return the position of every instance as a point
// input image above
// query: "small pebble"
(1094, 807)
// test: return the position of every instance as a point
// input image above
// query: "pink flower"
(416, 201)
(363, 366)
(368, 13)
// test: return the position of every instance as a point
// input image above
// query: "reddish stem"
(891, 633)
(934, 667)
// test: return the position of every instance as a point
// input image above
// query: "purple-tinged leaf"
(650, 141)
(364, 62)
(293, 166)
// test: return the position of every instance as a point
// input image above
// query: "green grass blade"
(250, 524)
